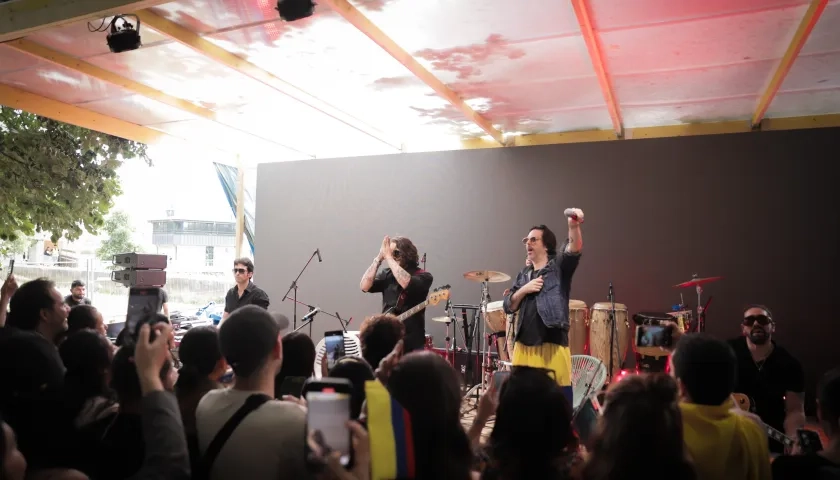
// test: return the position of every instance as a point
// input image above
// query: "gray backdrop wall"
(758, 208)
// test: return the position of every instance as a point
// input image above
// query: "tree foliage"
(119, 240)
(56, 177)
(15, 246)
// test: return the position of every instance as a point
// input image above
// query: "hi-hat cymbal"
(487, 276)
(697, 281)
(443, 319)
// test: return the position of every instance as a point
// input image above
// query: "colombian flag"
(391, 440)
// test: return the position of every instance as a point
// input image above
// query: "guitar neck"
(778, 436)
(412, 310)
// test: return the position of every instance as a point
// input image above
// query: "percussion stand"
(701, 312)
(613, 327)
(481, 315)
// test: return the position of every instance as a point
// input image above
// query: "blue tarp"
(227, 175)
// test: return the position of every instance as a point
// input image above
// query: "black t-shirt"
(532, 331)
(72, 302)
(804, 467)
(164, 296)
(253, 295)
(767, 383)
(417, 291)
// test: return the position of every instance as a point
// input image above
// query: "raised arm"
(575, 244)
(403, 277)
(370, 274)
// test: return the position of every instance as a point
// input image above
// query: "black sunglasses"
(240, 270)
(761, 319)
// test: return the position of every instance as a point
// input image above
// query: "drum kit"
(602, 331)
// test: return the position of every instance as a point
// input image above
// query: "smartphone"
(334, 343)
(142, 303)
(499, 379)
(11, 268)
(327, 414)
(292, 386)
(809, 441)
(653, 336)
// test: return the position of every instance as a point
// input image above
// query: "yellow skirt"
(550, 356)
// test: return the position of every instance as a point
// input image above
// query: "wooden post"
(240, 204)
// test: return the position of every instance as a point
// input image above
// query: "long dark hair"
(429, 389)
(199, 354)
(640, 407)
(531, 401)
(87, 357)
(408, 257)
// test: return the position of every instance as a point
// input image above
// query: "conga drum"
(578, 327)
(600, 327)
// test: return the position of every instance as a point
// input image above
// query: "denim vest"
(553, 299)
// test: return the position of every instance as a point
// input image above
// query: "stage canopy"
(386, 76)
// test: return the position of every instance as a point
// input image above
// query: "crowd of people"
(76, 406)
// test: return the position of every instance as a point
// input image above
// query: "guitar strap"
(403, 294)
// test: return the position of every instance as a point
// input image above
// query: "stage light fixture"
(123, 36)
(291, 10)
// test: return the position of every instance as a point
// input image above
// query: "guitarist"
(402, 285)
(769, 375)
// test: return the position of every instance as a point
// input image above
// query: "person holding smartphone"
(541, 296)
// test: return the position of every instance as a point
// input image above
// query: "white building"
(195, 245)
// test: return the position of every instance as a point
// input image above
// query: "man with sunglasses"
(244, 292)
(541, 296)
(403, 284)
(769, 375)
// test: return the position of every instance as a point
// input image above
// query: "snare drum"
(599, 334)
(578, 327)
(683, 319)
(429, 345)
(495, 317)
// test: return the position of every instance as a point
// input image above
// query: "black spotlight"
(291, 10)
(124, 37)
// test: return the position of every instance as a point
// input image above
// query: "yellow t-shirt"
(723, 444)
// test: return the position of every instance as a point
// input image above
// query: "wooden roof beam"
(21, 100)
(20, 18)
(812, 16)
(593, 46)
(364, 25)
(218, 54)
(72, 63)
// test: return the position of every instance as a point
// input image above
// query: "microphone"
(318, 252)
(424, 258)
(310, 314)
(570, 212)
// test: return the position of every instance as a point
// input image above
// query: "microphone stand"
(294, 287)
(309, 322)
(613, 316)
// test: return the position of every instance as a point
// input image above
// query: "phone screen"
(334, 343)
(809, 441)
(499, 379)
(11, 267)
(328, 413)
(141, 303)
(653, 336)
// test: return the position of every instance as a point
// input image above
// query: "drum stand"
(701, 311)
(481, 315)
(613, 327)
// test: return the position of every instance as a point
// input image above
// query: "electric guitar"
(745, 403)
(438, 295)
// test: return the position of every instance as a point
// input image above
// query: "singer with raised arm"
(403, 284)
(541, 296)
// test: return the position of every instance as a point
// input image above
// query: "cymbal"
(697, 281)
(487, 276)
(443, 319)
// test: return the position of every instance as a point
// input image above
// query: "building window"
(208, 256)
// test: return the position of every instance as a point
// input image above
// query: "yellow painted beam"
(212, 51)
(19, 18)
(364, 25)
(593, 46)
(72, 63)
(685, 130)
(812, 16)
(16, 98)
